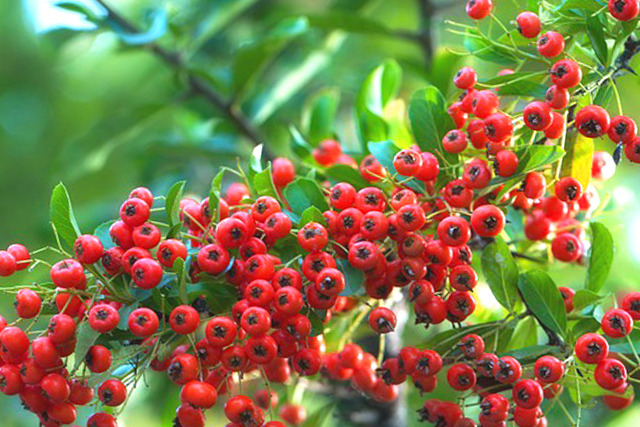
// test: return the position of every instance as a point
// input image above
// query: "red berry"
(624, 10)
(487, 221)
(461, 377)
(143, 322)
(455, 141)
(479, 9)
(528, 24)
(568, 189)
(407, 162)
(557, 97)
(617, 323)
(282, 171)
(382, 320)
(592, 121)
(566, 247)
(327, 152)
(103, 318)
(20, 254)
(550, 44)
(184, 319)
(527, 394)
(566, 73)
(537, 115)
(134, 212)
(591, 348)
(610, 374)
(549, 369)
(506, 163)
(112, 393)
(465, 78)
(622, 128)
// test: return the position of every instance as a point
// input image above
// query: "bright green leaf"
(542, 297)
(600, 256)
(501, 272)
(172, 202)
(62, 217)
(305, 192)
(578, 158)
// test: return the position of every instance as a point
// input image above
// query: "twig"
(196, 84)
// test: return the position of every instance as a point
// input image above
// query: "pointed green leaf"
(600, 256)
(305, 192)
(501, 272)
(172, 202)
(62, 216)
(541, 295)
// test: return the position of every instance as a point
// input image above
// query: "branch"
(425, 37)
(196, 84)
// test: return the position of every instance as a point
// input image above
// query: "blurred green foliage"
(105, 116)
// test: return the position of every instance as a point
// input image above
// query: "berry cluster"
(235, 293)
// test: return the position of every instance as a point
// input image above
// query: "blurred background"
(95, 109)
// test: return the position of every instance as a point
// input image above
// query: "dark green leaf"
(215, 193)
(345, 173)
(595, 31)
(584, 298)
(531, 353)
(542, 297)
(311, 214)
(354, 279)
(317, 327)
(172, 202)
(181, 275)
(62, 216)
(600, 256)
(305, 192)
(501, 272)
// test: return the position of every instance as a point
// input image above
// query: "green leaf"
(263, 183)
(354, 279)
(378, 89)
(311, 214)
(319, 115)
(595, 31)
(62, 217)
(305, 192)
(582, 5)
(102, 233)
(542, 297)
(299, 145)
(172, 202)
(345, 173)
(181, 275)
(519, 84)
(252, 59)
(321, 417)
(578, 158)
(215, 194)
(348, 22)
(600, 256)
(525, 334)
(315, 317)
(584, 298)
(532, 158)
(86, 337)
(501, 272)
(532, 353)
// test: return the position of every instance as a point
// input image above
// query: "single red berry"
(566, 73)
(430, 167)
(465, 78)
(213, 259)
(455, 141)
(568, 189)
(617, 323)
(199, 394)
(103, 318)
(463, 278)
(498, 127)
(537, 115)
(461, 377)
(567, 297)
(487, 221)
(112, 393)
(591, 348)
(143, 322)
(528, 24)
(610, 374)
(98, 359)
(454, 231)
(479, 9)
(134, 212)
(527, 394)
(622, 128)
(283, 171)
(550, 44)
(592, 121)
(313, 237)
(146, 273)
(624, 10)
(508, 370)
(603, 167)
(184, 319)
(382, 320)
(68, 274)
(631, 304)
(506, 163)
(566, 247)
(549, 369)
(28, 303)
(485, 103)
(556, 128)
(472, 346)
(327, 152)
(557, 97)
(407, 162)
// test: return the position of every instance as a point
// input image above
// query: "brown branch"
(196, 84)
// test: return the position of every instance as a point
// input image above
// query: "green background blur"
(82, 108)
